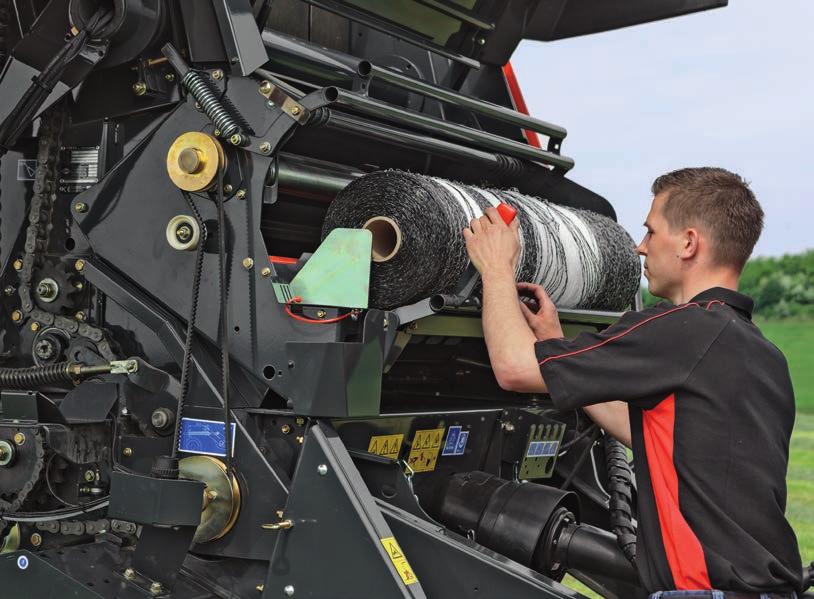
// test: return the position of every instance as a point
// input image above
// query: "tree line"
(782, 287)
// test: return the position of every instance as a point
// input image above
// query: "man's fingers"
(526, 312)
(476, 226)
(515, 225)
(468, 233)
(493, 215)
(523, 286)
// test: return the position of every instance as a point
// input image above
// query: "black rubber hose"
(36, 376)
(620, 489)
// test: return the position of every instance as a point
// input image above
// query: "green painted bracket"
(338, 273)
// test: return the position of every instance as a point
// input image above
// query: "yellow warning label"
(396, 556)
(424, 452)
(388, 446)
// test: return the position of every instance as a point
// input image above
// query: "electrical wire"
(596, 476)
(297, 299)
(48, 483)
(580, 460)
(59, 514)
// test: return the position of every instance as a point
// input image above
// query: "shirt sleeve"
(641, 359)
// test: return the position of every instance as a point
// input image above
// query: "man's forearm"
(508, 337)
(613, 417)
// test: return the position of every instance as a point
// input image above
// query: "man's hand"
(493, 245)
(544, 323)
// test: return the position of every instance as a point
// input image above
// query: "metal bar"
(313, 176)
(393, 29)
(292, 56)
(501, 113)
(458, 12)
(364, 105)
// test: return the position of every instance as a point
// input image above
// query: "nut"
(18, 264)
(295, 110)
(265, 272)
(129, 574)
(35, 326)
(248, 263)
(127, 452)
(17, 316)
(79, 265)
(80, 207)
(139, 88)
(19, 438)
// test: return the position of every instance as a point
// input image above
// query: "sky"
(731, 87)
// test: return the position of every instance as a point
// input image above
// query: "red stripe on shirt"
(618, 335)
(684, 552)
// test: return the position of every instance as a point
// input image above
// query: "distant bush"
(781, 287)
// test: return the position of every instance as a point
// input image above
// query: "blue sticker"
(22, 562)
(542, 449)
(461, 446)
(452, 440)
(207, 437)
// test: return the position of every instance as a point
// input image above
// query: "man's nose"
(641, 249)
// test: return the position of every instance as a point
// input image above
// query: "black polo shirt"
(711, 413)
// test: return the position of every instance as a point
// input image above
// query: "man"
(704, 400)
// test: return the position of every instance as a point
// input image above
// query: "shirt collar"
(732, 298)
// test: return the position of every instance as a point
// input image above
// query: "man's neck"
(692, 287)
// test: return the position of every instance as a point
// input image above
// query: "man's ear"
(690, 244)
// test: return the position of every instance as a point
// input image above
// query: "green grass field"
(796, 339)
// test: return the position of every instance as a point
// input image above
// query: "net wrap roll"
(583, 259)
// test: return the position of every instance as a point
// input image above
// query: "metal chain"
(13, 506)
(39, 218)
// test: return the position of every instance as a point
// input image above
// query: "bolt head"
(9, 290)
(127, 452)
(183, 233)
(286, 429)
(17, 316)
(265, 147)
(217, 74)
(228, 188)
(236, 139)
(265, 272)
(322, 469)
(35, 326)
(90, 475)
(139, 88)
(79, 265)
(36, 539)
(248, 263)
(80, 207)
(19, 438)
(266, 88)
(169, 76)
(190, 161)
(80, 316)
(288, 590)
(321, 313)
(129, 574)
(156, 588)
(45, 349)
(18, 264)
(241, 193)
(295, 110)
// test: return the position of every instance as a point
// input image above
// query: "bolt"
(259, 588)
(295, 110)
(241, 193)
(286, 429)
(265, 272)
(265, 147)
(321, 313)
(280, 514)
(481, 41)
(80, 207)
(17, 316)
(183, 233)
(248, 263)
(190, 160)
(217, 74)
(288, 590)
(36, 539)
(9, 290)
(299, 421)
(79, 265)
(508, 427)
(47, 290)
(162, 418)
(266, 88)
(322, 469)
(300, 439)
(45, 349)
(127, 452)
(80, 316)
(79, 286)
(19, 438)
(216, 132)
(228, 188)
(18, 264)
(129, 574)
(35, 326)
(170, 77)
(139, 88)
(236, 139)
(156, 588)
(90, 476)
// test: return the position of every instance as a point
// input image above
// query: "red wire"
(297, 299)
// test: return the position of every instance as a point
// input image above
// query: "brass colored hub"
(193, 161)
(221, 501)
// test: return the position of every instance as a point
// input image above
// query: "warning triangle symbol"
(436, 440)
(393, 447)
(374, 447)
(394, 552)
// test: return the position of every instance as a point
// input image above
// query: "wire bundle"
(582, 259)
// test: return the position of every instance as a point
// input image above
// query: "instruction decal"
(206, 437)
(388, 446)
(424, 451)
(456, 441)
(542, 449)
(396, 556)
(26, 169)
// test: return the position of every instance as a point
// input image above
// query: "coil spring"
(620, 488)
(35, 376)
(206, 94)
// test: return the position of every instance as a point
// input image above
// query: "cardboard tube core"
(386, 237)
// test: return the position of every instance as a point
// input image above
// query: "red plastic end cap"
(506, 212)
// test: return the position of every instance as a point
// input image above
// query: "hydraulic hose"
(620, 486)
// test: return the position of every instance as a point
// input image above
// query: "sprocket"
(21, 475)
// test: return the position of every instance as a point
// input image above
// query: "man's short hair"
(719, 202)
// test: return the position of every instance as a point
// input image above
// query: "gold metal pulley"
(193, 161)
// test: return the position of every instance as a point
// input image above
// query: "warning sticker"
(424, 452)
(388, 446)
(456, 441)
(396, 556)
